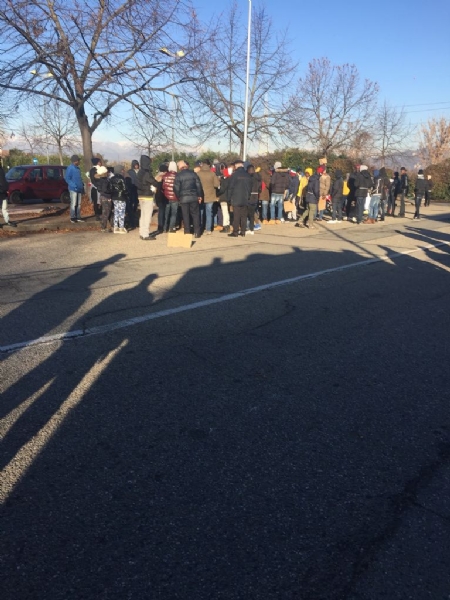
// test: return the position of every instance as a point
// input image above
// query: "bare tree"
(90, 56)
(390, 131)
(216, 93)
(435, 141)
(331, 106)
(57, 127)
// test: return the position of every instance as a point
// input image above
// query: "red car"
(44, 182)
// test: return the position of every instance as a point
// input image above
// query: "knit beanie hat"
(277, 165)
(363, 168)
(95, 161)
(74, 158)
(118, 169)
(309, 171)
(320, 169)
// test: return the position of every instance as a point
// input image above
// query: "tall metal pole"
(247, 80)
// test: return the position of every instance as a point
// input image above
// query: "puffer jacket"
(337, 187)
(363, 183)
(240, 187)
(168, 179)
(145, 179)
(187, 186)
(280, 181)
(313, 189)
(4, 185)
(421, 186)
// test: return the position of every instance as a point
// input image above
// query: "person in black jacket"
(429, 190)
(254, 197)
(95, 197)
(394, 190)
(420, 191)
(384, 187)
(146, 185)
(239, 192)
(311, 199)
(188, 189)
(4, 185)
(404, 187)
(336, 197)
(363, 183)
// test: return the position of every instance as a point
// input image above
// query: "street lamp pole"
(247, 80)
(175, 55)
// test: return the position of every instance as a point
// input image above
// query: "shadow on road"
(258, 448)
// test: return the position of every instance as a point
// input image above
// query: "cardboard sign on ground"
(179, 240)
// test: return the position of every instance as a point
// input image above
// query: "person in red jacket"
(167, 189)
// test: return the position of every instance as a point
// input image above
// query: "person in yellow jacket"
(302, 188)
(345, 193)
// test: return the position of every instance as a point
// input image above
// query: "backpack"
(118, 188)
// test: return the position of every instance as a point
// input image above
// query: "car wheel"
(65, 197)
(16, 198)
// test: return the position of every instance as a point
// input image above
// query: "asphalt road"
(290, 442)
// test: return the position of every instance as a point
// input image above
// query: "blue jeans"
(265, 209)
(75, 205)
(209, 215)
(276, 199)
(373, 206)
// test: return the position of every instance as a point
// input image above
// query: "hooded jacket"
(421, 186)
(313, 189)
(187, 186)
(304, 183)
(294, 182)
(363, 183)
(132, 173)
(210, 183)
(168, 181)
(381, 184)
(240, 187)
(145, 179)
(73, 179)
(337, 187)
(280, 181)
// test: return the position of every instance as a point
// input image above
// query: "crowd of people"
(238, 198)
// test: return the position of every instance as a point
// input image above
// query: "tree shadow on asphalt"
(243, 450)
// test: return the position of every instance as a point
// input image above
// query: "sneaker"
(282, 220)
(249, 232)
(344, 218)
(147, 239)
(332, 221)
(73, 220)
(208, 232)
(80, 220)
(122, 230)
(105, 230)
(116, 230)
(257, 227)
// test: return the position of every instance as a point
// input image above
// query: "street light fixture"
(176, 55)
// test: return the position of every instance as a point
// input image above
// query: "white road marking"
(99, 329)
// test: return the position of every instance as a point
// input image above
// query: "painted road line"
(102, 329)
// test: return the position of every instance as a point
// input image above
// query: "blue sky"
(404, 45)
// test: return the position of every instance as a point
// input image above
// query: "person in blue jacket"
(76, 188)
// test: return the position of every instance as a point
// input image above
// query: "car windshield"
(15, 174)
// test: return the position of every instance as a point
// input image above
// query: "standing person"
(133, 195)
(173, 204)
(279, 184)
(265, 195)
(404, 188)
(160, 199)
(210, 183)
(188, 189)
(146, 186)
(385, 184)
(294, 182)
(76, 188)
(420, 191)
(351, 196)
(345, 194)
(336, 197)
(4, 185)
(325, 184)
(363, 183)
(375, 198)
(239, 192)
(95, 199)
(254, 198)
(102, 184)
(394, 190)
(222, 192)
(301, 192)
(311, 198)
(119, 196)
(428, 191)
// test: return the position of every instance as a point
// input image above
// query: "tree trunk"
(86, 138)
